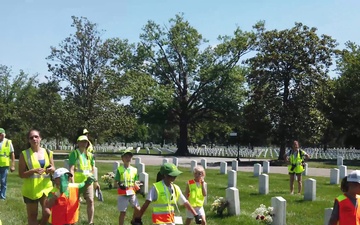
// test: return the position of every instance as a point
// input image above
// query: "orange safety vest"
(66, 209)
(348, 214)
(196, 198)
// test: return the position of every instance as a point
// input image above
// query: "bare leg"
(203, 220)
(32, 213)
(45, 211)
(292, 177)
(299, 178)
(122, 218)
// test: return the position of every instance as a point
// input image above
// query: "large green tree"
(81, 64)
(288, 68)
(203, 82)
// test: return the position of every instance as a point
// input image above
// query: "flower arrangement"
(219, 205)
(263, 214)
(108, 179)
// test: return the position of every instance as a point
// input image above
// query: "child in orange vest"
(63, 201)
(196, 191)
(341, 214)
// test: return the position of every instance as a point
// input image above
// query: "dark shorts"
(29, 201)
(292, 173)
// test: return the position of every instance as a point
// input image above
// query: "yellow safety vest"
(5, 153)
(128, 178)
(296, 161)
(163, 207)
(90, 148)
(83, 169)
(196, 198)
(35, 186)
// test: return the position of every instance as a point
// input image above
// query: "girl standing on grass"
(195, 192)
(346, 209)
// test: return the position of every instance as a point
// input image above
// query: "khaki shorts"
(89, 192)
(199, 210)
(123, 202)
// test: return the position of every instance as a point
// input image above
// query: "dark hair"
(344, 185)
(159, 176)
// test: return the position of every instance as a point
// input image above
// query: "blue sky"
(30, 27)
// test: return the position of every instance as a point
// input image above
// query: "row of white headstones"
(232, 193)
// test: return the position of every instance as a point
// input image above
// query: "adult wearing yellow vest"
(346, 210)
(35, 166)
(82, 164)
(63, 200)
(195, 192)
(127, 180)
(296, 158)
(6, 155)
(165, 196)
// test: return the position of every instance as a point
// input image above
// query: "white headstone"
(116, 166)
(257, 169)
(334, 176)
(223, 168)
(264, 184)
(204, 163)
(310, 190)
(279, 205)
(232, 196)
(266, 167)
(327, 215)
(144, 177)
(141, 168)
(193, 164)
(165, 161)
(340, 161)
(306, 171)
(175, 161)
(232, 178)
(137, 161)
(342, 172)
(235, 165)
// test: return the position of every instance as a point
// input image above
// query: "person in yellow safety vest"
(35, 167)
(90, 148)
(346, 210)
(127, 181)
(296, 158)
(165, 196)
(82, 163)
(195, 192)
(63, 201)
(6, 154)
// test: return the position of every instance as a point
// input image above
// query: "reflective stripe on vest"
(66, 209)
(5, 152)
(163, 207)
(196, 198)
(37, 185)
(348, 214)
(82, 169)
(299, 168)
(128, 178)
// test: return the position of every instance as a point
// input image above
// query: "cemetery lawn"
(299, 212)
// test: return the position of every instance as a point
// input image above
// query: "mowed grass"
(299, 212)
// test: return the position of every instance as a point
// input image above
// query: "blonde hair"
(199, 169)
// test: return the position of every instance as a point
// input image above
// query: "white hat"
(61, 171)
(354, 176)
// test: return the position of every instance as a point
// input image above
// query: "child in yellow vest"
(346, 208)
(195, 192)
(63, 201)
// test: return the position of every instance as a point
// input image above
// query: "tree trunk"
(182, 143)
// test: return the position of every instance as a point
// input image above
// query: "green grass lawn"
(13, 211)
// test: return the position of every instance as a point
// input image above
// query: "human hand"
(39, 170)
(12, 169)
(96, 185)
(136, 221)
(198, 219)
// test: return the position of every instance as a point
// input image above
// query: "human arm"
(187, 191)
(204, 188)
(143, 208)
(334, 218)
(12, 158)
(23, 172)
(51, 199)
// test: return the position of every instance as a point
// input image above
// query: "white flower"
(263, 214)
